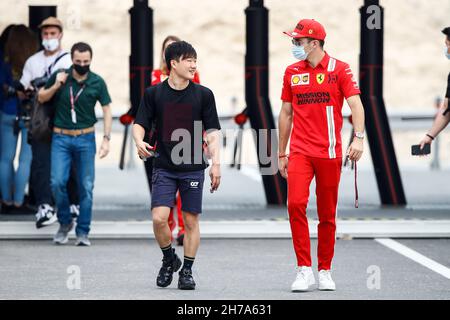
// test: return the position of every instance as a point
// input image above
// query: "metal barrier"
(399, 120)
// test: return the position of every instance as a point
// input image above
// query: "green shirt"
(94, 89)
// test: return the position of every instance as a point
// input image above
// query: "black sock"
(188, 262)
(168, 252)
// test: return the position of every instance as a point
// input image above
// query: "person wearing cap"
(443, 116)
(41, 65)
(313, 93)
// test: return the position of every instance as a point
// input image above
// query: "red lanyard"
(356, 186)
(72, 99)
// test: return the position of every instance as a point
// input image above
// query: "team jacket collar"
(323, 63)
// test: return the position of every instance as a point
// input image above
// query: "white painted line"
(415, 256)
(242, 229)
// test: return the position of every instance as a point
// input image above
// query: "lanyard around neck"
(74, 99)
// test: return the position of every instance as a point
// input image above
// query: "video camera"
(26, 105)
(11, 90)
(39, 82)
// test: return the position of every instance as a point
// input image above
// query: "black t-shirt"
(193, 110)
(447, 95)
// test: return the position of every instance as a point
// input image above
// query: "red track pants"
(301, 170)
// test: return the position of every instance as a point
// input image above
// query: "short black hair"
(80, 47)
(321, 42)
(446, 31)
(179, 50)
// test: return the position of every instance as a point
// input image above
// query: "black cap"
(446, 31)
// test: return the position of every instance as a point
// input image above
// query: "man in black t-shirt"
(178, 111)
(443, 117)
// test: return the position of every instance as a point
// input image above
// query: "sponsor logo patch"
(194, 184)
(313, 98)
(332, 78)
(300, 79)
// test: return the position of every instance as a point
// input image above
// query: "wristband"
(282, 156)
(430, 136)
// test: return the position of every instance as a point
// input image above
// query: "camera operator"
(38, 69)
(21, 43)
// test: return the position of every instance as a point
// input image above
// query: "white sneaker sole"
(303, 289)
(327, 288)
(66, 239)
(82, 244)
(52, 220)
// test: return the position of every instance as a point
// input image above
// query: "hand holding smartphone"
(416, 151)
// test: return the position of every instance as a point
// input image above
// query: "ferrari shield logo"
(320, 77)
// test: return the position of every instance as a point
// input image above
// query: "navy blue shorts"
(165, 185)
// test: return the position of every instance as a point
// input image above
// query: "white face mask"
(50, 44)
(299, 52)
(446, 52)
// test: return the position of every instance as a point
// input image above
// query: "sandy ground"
(415, 67)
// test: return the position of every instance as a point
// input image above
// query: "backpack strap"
(50, 68)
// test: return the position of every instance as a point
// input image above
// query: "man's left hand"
(104, 149)
(355, 150)
(214, 174)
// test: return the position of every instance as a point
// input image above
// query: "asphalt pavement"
(224, 269)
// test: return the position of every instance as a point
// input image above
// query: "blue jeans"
(81, 151)
(13, 183)
(40, 175)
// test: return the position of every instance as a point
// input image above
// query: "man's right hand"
(424, 141)
(283, 166)
(142, 149)
(61, 78)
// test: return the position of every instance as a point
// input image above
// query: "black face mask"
(81, 70)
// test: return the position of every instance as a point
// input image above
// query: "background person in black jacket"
(443, 116)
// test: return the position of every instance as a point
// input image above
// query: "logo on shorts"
(300, 79)
(194, 184)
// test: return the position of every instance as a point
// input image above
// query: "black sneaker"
(186, 281)
(166, 272)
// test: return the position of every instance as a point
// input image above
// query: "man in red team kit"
(313, 93)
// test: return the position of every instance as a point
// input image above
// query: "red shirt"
(317, 95)
(158, 76)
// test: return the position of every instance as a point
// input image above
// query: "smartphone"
(416, 151)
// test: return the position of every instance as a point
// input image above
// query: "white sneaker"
(305, 279)
(74, 211)
(325, 281)
(45, 216)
